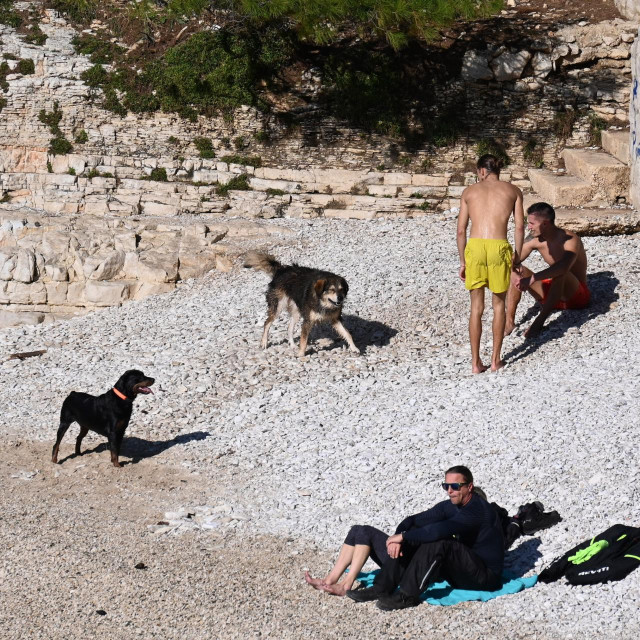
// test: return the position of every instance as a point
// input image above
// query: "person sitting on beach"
(459, 539)
(562, 285)
(485, 260)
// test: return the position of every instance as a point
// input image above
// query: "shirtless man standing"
(485, 260)
(563, 285)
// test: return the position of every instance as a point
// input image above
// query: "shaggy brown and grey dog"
(313, 295)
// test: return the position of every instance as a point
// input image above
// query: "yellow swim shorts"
(488, 264)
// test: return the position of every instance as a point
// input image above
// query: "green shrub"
(214, 71)
(204, 147)
(9, 56)
(252, 161)
(596, 126)
(158, 175)
(60, 146)
(95, 76)
(239, 143)
(36, 36)
(4, 72)
(72, 171)
(262, 136)
(237, 183)
(112, 102)
(26, 67)
(173, 140)
(426, 206)
(563, 122)
(49, 167)
(94, 173)
(275, 192)
(81, 137)
(5, 198)
(3, 103)
(446, 128)
(78, 10)
(8, 16)
(533, 154)
(52, 119)
(489, 145)
(99, 50)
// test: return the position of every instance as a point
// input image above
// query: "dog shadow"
(138, 449)
(365, 333)
(603, 294)
(522, 559)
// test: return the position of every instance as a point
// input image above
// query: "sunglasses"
(454, 485)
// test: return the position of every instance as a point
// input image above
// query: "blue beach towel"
(443, 594)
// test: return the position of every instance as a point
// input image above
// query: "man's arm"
(464, 521)
(518, 214)
(558, 268)
(461, 235)
(435, 514)
(518, 259)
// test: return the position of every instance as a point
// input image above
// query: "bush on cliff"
(215, 71)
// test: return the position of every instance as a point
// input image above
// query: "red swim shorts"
(579, 300)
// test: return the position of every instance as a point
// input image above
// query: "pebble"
(307, 447)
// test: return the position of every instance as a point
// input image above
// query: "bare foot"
(478, 368)
(497, 367)
(316, 583)
(509, 327)
(334, 589)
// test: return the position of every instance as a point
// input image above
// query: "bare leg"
(349, 556)
(497, 326)
(475, 329)
(513, 299)
(343, 561)
(562, 288)
(345, 335)
(360, 556)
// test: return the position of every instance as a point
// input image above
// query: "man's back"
(489, 205)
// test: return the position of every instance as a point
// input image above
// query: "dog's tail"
(262, 262)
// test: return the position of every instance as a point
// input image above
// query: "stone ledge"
(599, 222)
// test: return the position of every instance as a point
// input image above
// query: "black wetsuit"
(463, 545)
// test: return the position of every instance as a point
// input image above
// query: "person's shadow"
(138, 449)
(365, 333)
(523, 558)
(603, 294)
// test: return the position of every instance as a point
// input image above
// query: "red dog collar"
(120, 394)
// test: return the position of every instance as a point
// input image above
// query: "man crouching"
(563, 285)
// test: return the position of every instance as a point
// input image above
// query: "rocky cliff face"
(543, 95)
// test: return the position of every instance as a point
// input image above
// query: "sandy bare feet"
(334, 589)
(497, 367)
(316, 583)
(478, 368)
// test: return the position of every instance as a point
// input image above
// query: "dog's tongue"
(144, 390)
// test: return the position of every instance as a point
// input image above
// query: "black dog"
(310, 294)
(107, 414)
